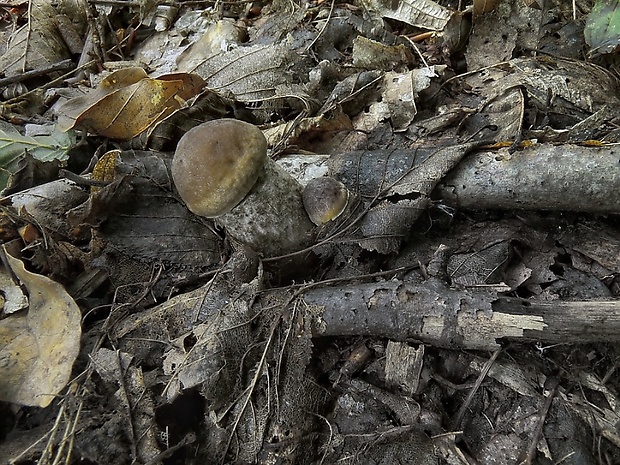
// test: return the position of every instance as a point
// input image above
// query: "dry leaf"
(47, 205)
(401, 91)
(370, 54)
(71, 110)
(316, 132)
(536, 4)
(38, 347)
(412, 174)
(251, 74)
(168, 233)
(13, 297)
(484, 6)
(35, 45)
(128, 102)
(421, 13)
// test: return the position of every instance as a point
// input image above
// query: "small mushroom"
(325, 199)
(221, 170)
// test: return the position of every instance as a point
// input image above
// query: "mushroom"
(325, 199)
(221, 170)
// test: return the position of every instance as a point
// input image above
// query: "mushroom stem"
(221, 170)
(271, 218)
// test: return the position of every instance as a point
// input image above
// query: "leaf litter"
(481, 219)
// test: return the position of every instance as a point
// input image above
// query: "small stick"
(81, 180)
(551, 384)
(487, 366)
(60, 66)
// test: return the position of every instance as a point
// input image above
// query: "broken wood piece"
(434, 314)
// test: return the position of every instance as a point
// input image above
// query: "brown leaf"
(129, 102)
(34, 45)
(484, 6)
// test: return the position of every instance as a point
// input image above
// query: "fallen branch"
(456, 318)
(541, 177)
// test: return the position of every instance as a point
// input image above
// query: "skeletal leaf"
(128, 102)
(251, 73)
(38, 347)
(217, 38)
(421, 13)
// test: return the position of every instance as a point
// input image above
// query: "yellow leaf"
(105, 168)
(127, 112)
(38, 346)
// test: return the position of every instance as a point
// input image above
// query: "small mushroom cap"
(325, 199)
(216, 164)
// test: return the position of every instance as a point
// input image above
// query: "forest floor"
(460, 306)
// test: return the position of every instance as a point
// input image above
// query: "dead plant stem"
(485, 370)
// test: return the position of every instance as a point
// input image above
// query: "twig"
(187, 439)
(48, 85)
(551, 384)
(60, 66)
(320, 33)
(81, 180)
(485, 370)
(123, 386)
(28, 33)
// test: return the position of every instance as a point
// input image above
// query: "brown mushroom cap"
(216, 164)
(325, 199)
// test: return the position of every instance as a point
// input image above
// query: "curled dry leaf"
(484, 6)
(371, 54)
(38, 347)
(402, 89)
(128, 102)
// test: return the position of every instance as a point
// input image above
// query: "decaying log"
(456, 318)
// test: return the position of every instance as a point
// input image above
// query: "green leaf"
(602, 30)
(45, 148)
